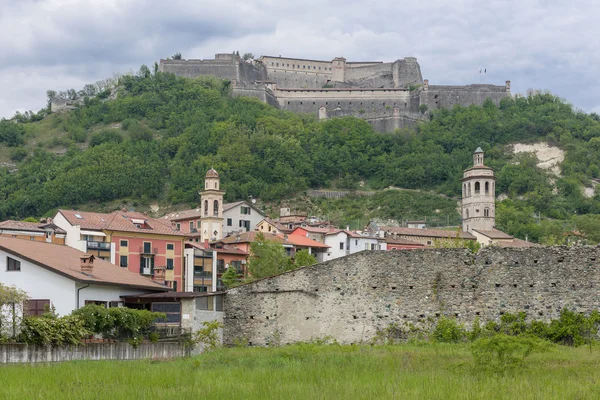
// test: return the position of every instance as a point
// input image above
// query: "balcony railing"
(148, 250)
(205, 274)
(98, 245)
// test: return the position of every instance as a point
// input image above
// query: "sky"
(62, 44)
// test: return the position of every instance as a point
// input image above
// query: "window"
(123, 261)
(96, 302)
(486, 212)
(220, 265)
(169, 263)
(245, 210)
(366, 246)
(12, 264)
(123, 243)
(198, 223)
(229, 222)
(341, 245)
(487, 188)
(269, 228)
(147, 265)
(429, 242)
(36, 307)
(467, 210)
(147, 248)
(115, 304)
(170, 246)
(191, 225)
(205, 208)
(216, 208)
(199, 303)
(477, 187)
(171, 310)
(356, 242)
(31, 237)
(237, 264)
(178, 227)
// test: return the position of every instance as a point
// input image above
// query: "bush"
(208, 335)
(502, 353)
(447, 330)
(65, 330)
(118, 322)
(18, 154)
(105, 136)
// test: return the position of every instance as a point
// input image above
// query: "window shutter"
(141, 265)
(152, 266)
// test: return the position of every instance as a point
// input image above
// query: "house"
(129, 239)
(206, 263)
(240, 216)
(427, 237)
(268, 225)
(65, 278)
(344, 242)
(291, 243)
(39, 231)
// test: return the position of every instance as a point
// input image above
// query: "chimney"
(206, 245)
(87, 264)
(159, 275)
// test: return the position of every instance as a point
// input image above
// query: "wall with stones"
(350, 298)
(257, 91)
(438, 96)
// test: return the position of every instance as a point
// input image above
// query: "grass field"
(431, 371)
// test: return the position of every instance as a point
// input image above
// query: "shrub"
(209, 335)
(118, 322)
(104, 136)
(18, 154)
(447, 330)
(53, 331)
(502, 353)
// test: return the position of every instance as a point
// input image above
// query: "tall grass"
(309, 371)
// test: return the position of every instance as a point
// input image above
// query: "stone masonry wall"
(350, 298)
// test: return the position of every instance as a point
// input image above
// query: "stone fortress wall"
(389, 95)
(350, 298)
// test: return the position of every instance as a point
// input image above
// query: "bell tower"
(478, 206)
(211, 205)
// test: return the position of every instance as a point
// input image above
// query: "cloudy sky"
(62, 44)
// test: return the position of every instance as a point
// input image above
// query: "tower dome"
(212, 173)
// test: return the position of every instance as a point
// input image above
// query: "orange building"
(129, 239)
(37, 231)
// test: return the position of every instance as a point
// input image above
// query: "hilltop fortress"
(388, 95)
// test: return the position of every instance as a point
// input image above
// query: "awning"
(93, 233)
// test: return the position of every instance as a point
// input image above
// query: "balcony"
(148, 250)
(202, 274)
(98, 245)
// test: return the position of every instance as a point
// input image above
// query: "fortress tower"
(478, 196)
(211, 202)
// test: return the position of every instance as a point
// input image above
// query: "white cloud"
(59, 44)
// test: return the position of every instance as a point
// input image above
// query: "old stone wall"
(438, 96)
(224, 66)
(350, 298)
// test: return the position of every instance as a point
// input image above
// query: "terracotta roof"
(439, 233)
(194, 213)
(29, 226)
(314, 229)
(227, 249)
(122, 221)
(172, 295)
(401, 241)
(494, 234)
(65, 261)
(276, 224)
(294, 240)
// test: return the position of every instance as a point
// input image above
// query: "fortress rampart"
(350, 298)
(388, 95)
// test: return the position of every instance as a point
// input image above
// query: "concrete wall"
(22, 353)
(352, 297)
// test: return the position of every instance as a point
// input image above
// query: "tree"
(176, 56)
(11, 304)
(268, 258)
(304, 259)
(231, 278)
(248, 56)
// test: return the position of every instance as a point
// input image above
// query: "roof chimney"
(206, 245)
(86, 263)
(159, 275)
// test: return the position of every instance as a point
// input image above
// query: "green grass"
(431, 371)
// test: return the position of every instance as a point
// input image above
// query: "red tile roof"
(401, 241)
(314, 229)
(65, 261)
(29, 226)
(435, 233)
(516, 243)
(294, 240)
(494, 234)
(194, 213)
(122, 221)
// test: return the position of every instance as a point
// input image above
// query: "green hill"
(155, 141)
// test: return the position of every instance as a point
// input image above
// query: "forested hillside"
(157, 139)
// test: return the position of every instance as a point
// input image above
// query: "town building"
(128, 239)
(39, 231)
(65, 278)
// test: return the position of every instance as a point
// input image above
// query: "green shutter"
(152, 266)
(141, 265)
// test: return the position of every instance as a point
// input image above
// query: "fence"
(22, 353)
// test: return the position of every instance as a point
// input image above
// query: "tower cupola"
(478, 196)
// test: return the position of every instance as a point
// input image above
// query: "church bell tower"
(211, 204)
(478, 196)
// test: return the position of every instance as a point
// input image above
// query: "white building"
(66, 278)
(240, 216)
